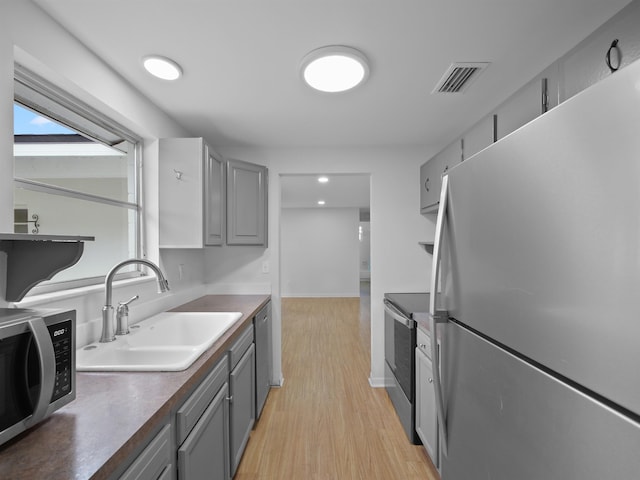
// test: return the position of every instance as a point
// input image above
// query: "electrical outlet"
(265, 267)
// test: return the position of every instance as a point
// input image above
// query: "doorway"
(324, 235)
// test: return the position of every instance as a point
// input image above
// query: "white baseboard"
(377, 382)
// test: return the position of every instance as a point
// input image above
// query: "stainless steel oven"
(399, 352)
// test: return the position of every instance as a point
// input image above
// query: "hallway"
(326, 422)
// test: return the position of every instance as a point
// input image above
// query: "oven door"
(27, 373)
(399, 343)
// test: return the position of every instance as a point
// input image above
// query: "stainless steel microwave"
(37, 366)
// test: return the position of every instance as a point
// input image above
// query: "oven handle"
(47, 367)
(437, 316)
(398, 316)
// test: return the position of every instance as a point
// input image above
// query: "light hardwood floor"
(327, 422)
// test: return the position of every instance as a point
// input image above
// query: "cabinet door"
(242, 405)
(426, 422)
(431, 176)
(214, 199)
(189, 413)
(478, 137)
(528, 103)
(180, 192)
(427, 186)
(155, 461)
(262, 322)
(205, 452)
(246, 203)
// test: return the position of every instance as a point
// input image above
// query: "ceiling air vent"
(459, 76)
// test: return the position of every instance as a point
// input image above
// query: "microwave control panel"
(61, 337)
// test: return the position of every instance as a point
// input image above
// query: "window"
(75, 173)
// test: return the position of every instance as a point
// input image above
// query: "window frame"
(39, 95)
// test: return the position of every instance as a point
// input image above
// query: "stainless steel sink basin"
(169, 341)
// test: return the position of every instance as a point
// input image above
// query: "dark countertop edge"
(23, 447)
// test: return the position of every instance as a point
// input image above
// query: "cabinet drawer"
(423, 341)
(191, 410)
(242, 344)
(154, 461)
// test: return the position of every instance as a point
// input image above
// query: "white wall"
(32, 38)
(398, 264)
(319, 252)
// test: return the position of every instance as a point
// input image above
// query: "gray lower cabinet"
(202, 426)
(246, 203)
(155, 461)
(209, 431)
(262, 328)
(242, 407)
(205, 452)
(426, 418)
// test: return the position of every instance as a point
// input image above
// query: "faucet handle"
(122, 316)
(124, 304)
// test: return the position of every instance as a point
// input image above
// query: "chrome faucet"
(107, 311)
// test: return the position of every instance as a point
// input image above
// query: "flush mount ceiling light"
(323, 179)
(321, 202)
(334, 68)
(162, 67)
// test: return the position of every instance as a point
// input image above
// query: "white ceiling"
(341, 191)
(241, 84)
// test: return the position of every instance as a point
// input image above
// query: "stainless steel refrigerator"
(537, 265)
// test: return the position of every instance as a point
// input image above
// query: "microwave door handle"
(47, 367)
(438, 316)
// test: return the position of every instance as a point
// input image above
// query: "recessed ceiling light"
(334, 68)
(162, 67)
(321, 202)
(323, 179)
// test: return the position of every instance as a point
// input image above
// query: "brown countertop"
(115, 411)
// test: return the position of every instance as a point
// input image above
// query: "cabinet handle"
(430, 380)
(545, 95)
(422, 345)
(614, 47)
(426, 184)
(230, 399)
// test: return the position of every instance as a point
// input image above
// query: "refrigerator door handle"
(438, 316)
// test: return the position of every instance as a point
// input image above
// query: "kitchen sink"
(168, 341)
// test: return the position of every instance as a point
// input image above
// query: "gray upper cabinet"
(478, 137)
(585, 64)
(431, 176)
(535, 98)
(215, 199)
(192, 194)
(246, 203)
